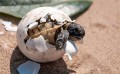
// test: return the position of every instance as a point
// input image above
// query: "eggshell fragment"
(37, 44)
(42, 20)
(70, 49)
(33, 25)
(29, 67)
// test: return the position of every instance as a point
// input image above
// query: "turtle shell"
(45, 26)
(36, 32)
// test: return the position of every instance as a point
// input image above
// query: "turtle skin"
(61, 37)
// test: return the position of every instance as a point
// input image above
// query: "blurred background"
(99, 53)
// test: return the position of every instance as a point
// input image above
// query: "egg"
(38, 48)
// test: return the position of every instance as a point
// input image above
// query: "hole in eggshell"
(44, 28)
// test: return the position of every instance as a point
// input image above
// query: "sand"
(99, 54)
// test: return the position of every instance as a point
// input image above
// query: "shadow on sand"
(56, 67)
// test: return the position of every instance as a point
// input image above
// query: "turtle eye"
(76, 31)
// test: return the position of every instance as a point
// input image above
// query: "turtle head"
(76, 31)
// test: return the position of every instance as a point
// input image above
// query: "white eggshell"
(33, 25)
(70, 49)
(29, 67)
(39, 44)
(38, 49)
(42, 20)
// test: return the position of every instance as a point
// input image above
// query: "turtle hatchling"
(43, 34)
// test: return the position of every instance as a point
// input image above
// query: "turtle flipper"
(61, 38)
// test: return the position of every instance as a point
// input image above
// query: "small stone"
(98, 69)
(1, 33)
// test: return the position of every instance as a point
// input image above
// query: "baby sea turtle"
(54, 31)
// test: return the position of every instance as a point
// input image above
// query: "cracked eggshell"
(38, 49)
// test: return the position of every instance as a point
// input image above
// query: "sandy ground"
(99, 54)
